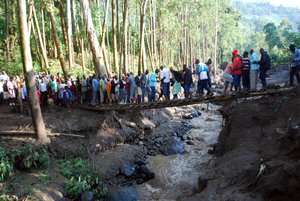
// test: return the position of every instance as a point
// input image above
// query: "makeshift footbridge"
(198, 100)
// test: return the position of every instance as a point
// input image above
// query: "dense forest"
(114, 37)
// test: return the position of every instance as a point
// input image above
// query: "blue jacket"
(153, 81)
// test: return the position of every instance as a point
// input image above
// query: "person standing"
(165, 79)
(122, 96)
(138, 82)
(152, 84)
(95, 88)
(295, 68)
(12, 91)
(102, 90)
(133, 87)
(253, 70)
(43, 90)
(236, 69)
(246, 71)
(145, 84)
(177, 77)
(203, 83)
(187, 81)
(265, 65)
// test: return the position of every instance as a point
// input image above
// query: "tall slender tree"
(56, 40)
(93, 40)
(36, 114)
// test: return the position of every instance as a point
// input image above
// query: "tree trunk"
(37, 46)
(216, 38)
(115, 47)
(7, 30)
(102, 39)
(13, 25)
(43, 29)
(142, 57)
(74, 12)
(29, 18)
(70, 42)
(40, 37)
(63, 22)
(36, 114)
(56, 40)
(92, 36)
(125, 26)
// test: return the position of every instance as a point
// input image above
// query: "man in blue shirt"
(95, 86)
(295, 68)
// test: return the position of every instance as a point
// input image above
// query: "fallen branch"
(31, 134)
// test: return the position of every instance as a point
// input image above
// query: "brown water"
(177, 175)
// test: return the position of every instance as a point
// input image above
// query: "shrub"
(6, 167)
(81, 176)
(28, 157)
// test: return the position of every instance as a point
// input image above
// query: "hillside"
(257, 14)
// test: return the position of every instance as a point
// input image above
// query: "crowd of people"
(241, 73)
(248, 68)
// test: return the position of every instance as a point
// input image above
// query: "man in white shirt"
(254, 70)
(165, 79)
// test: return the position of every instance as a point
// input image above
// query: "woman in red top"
(236, 69)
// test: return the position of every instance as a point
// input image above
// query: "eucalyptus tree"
(37, 119)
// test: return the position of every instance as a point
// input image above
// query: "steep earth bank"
(257, 155)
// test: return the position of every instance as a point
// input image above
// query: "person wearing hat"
(236, 69)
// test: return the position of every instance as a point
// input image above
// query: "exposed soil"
(256, 133)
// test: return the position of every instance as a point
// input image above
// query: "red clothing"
(237, 65)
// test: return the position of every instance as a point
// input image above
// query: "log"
(31, 134)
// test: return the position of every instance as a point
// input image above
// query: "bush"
(82, 176)
(28, 157)
(6, 167)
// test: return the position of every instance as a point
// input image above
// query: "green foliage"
(81, 176)
(6, 167)
(77, 186)
(101, 192)
(28, 157)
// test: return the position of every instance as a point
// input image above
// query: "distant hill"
(257, 14)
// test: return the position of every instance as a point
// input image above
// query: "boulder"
(122, 193)
(87, 196)
(127, 170)
(171, 146)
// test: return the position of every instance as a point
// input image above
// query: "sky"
(288, 3)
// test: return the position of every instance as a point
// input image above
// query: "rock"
(187, 116)
(132, 125)
(195, 113)
(189, 143)
(141, 143)
(140, 163)
(171, 146)
(87, 196)
(148, 174)
(127, 170)
(126, 193)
